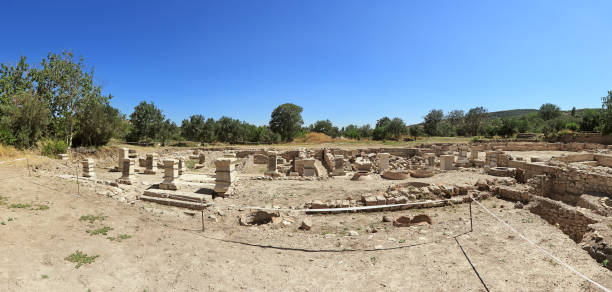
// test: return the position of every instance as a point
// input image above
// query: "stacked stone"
(329, 160)
(272, 164)
(431, 160)
(462, 159)
(491, 159)
(127, 171)
(474, 154)
(88, 167)
(182, 167)
(171, 172)
(151, 164)
(226, 175)
(363, 165)
(338, 165)
(446, 162)
(132, 153)
(383, 162)
(123, 154)
(309, 167)
(202, 159)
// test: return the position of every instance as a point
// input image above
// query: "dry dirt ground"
(167, 250)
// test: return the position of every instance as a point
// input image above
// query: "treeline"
(549, 120)
(57, 101)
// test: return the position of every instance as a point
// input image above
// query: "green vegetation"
(104, 231)
(55, 99)
(119, 238)
(20, 206)
(52, 148)
(92, 218)
(44, 276)
(55, 104)
(286, 120)
(80, 258)
(604, 263)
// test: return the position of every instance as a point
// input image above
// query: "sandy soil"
(168, 251)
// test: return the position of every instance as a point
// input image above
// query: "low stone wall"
(571, 220)
(603, 160)
(585, 138)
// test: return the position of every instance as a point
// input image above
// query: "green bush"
(572, 126)
(53, 147)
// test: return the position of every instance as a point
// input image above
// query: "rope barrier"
(343, 209)
(543, 250)
(469, 261)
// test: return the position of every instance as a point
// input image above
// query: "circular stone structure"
(422, 173)
(362, 176)
(396, 175)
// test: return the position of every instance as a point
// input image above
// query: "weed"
(104, 231)
(191, 163)
(10, 219)
(494, 206)
(402, 241)
(92, 218)
(20, 206)
(527, 220)
(44, 277)
(41, 207)
(3, 200)
(373, 260)
(80, 258)
(3, 223)
(604, 263)
(119, 238)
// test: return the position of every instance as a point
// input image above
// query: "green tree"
(146, 122)
(24, 119)
(606, 114)
(590, 120)
(380, 131)
(509, 127)
(549, 111)
(365, 131)
(286, 120)
(326, 127)
(64, 82)
(573, 113)
(351, 132)
(193, 129)
(97, 121)
(431, 122)
(475, 119)
(396, 128)
(416, 131)
(169, 130)
(14, 79)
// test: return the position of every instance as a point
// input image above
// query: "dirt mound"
(314, 138)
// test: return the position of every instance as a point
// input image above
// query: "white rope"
(543, 250)
(344, 209)
(8, 161)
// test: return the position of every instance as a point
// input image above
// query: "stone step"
(180, 196)
(175, 203)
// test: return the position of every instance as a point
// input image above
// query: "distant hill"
(511, 113)
(521, 112)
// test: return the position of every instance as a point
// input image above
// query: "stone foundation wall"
(573, 222)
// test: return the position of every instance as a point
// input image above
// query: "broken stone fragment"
(306, 224)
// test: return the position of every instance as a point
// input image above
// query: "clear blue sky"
(349, 61)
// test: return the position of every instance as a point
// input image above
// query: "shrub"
(572, 126)
(53, 147)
